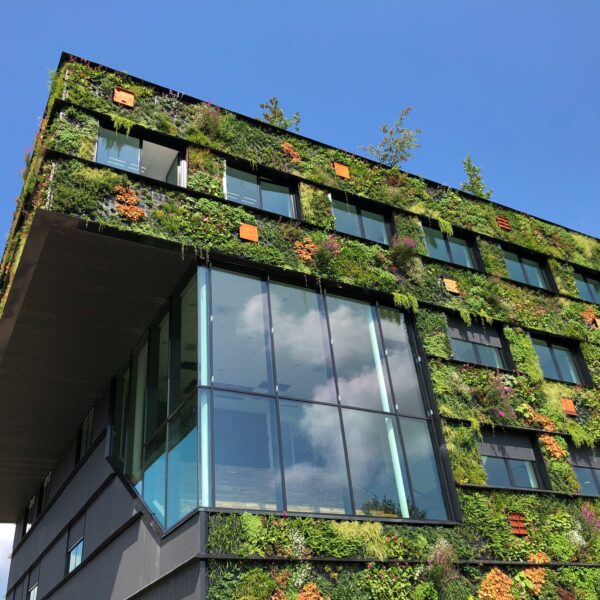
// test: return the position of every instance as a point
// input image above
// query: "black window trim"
(364, 204)
(267, 175)
(573, 346)
(505, 355)
(540, 259)
(586, 274)
(462, 234)
(86, 427)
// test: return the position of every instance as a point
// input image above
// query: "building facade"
(240, 363)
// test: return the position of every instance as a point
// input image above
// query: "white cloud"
(7, 532)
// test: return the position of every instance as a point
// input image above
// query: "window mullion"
(524, 270)
(556, 364)
(448, 249)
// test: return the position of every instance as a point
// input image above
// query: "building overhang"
(81, 298)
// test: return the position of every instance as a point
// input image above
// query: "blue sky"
(515, 84)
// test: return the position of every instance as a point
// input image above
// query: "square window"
(350, 218)
(557, 361)
(476, 344)
(526, 270)
(449, 248)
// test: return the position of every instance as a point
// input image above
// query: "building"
(239, 363)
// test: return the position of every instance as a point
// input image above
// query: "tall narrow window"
(588, 287)
(509, 460)
(449, 248)
(45, 491)
(476, 344)
(85, 436)
(586, 464)
(557, 361)
(139, 156)
(360, 222)
(75, 544)
(31, 513)
(32, 582)
(526, 270)
(260, 192)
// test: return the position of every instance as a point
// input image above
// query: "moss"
(464, 454)
(432, 327)
(316, 206)
(74, 132)
(205, 172)
(523, 353)
(493, 259)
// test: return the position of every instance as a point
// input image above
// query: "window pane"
(118, 150)
(135, 433)
(346, 218)
(523, 473)
(377, 468)
(75, 556)
(154, 475)
(313, 455)
(302, 349)
(461, 255)
(246, 462)
(241, 336)
(515, 270)
(497, 473)
(157, 161)
(490, 356)
(121, 408)
(182, 484)
(242, 187)
(594, 286)
(545, 356)
(32, 594)
(587, 484)
(185, 352)
(401, 362)
(582, 287)
(534, 273)
(156, 400)
(375, 227)
(566, 364)
(424, 476)
(462, 350)
(277, 199)
(436, 245)
(362, 380)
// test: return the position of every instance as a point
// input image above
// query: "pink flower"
(501, 413)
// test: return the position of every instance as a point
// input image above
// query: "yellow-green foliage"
(368, 533)
(316, 206)
(523, 353)
(464, 454)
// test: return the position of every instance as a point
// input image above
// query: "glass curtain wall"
(259, 395)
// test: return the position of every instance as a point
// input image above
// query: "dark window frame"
(538, 464)
(463, 235)
(85, 436)
(575, 351)
(586, 275)
(539, 259)
(80, 541)
(578, 459)
(268, 176)
(504, 351)
(360, 205)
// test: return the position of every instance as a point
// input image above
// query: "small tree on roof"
(397, 143)
(274, 115)
(474, 184)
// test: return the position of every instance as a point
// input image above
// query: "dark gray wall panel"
(52, 567)
(182, 585)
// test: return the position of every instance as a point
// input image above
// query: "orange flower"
(291, 152)
(552, 447)
(495, 585)
(589, 317)
(535, 574)
(128, 204)
(306, 249)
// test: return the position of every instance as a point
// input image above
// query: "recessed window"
(476, 344)
(586, 464)
(75, 544)
(32, 582)
(449, 248)
(45, 491)
(260, 192)
(31, 513)
(75, 556)
(85, 436)
(557, 361)
(588, 287)
(509, 460)
(526, 270)
(139, 156)
(361, 222)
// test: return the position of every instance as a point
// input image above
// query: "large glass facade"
(258, 395)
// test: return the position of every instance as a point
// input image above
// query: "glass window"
(31, 513)
(353, 220)
(588, 287)
(525, 270)
(182, 483)
(400, 359)
(423, 471)
(155, 475)
(476, 344)
(136, 156)
(32, 592)
(508, 459)
(246, 460)
(254, 190)
(362, 380)
(589, 481)
(85, 435)
(557, 361)
(75, 556)
(447, 247)
(45, 492)
(157, 394)
(302, 349)
(313, 458)
(377, 467)
(242, 348)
